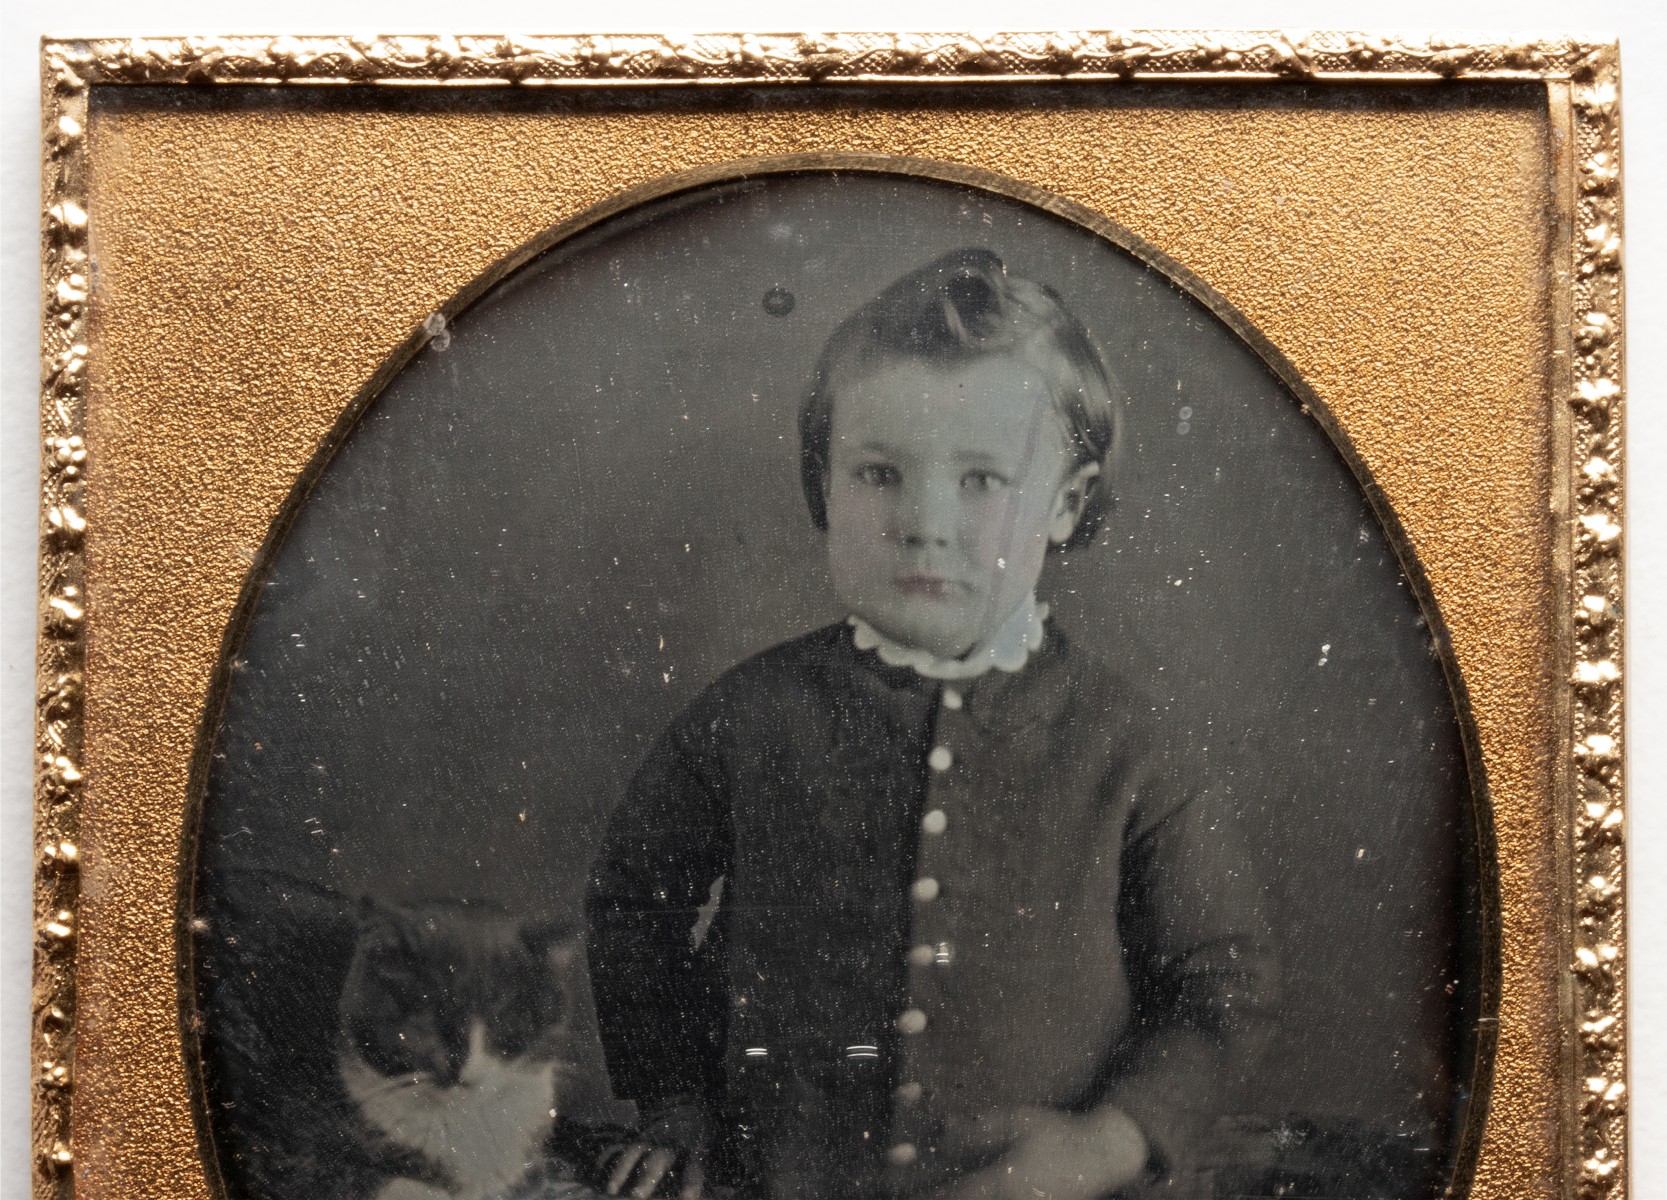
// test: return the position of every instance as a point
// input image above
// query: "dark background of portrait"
(547, 537)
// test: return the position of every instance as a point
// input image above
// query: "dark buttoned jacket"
(847, 911)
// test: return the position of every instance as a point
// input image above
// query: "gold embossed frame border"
(1582, 614)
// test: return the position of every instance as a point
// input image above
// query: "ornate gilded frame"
(1581, 612)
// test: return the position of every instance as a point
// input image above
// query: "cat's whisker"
(393, 1083)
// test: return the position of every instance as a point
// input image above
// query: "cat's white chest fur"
(485, 1132)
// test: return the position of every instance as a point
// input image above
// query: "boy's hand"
(665, 1160)
(641, 1170)
(1045, 1152)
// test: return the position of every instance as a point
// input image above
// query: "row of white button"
(925, 890)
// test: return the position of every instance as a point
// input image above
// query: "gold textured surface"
(256, 265)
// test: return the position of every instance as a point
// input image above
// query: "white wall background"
(1639, 23)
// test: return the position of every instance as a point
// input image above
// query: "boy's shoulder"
(1090, 672)
(808, 651)
(788, 691)
(811, 662)
(1083, 686)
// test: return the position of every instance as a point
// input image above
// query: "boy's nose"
(929, 516)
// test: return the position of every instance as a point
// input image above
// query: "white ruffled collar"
(1009, 648)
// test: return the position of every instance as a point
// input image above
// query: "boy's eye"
(980, 479)
(878, 474)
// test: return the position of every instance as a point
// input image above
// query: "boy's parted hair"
(955, 310)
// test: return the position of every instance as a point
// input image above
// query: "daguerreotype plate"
(1029, 616)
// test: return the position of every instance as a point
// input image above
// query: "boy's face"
(944, 489)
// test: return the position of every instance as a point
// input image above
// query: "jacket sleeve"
(1203, 972)
(655, 945)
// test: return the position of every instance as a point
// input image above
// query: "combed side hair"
(955, 310)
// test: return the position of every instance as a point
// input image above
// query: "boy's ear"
(1070, 501)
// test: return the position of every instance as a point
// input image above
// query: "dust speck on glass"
(779, 302)
(837, 685)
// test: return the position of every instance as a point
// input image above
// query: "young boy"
(924, 903)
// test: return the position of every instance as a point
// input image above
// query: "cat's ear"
(378, 916)
(545, 935)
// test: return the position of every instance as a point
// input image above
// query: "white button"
(951, 698)
(902, 1154)
(940, 758)
(925, 889)
(911, 1020)
(909, 1093)
(935, 821)
(922, 955)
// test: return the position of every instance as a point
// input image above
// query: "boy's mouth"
(925, 585)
